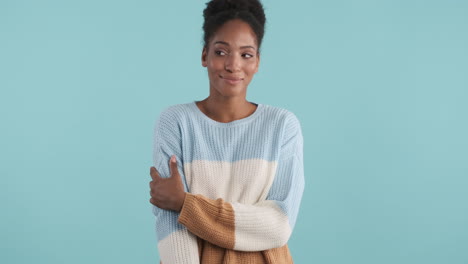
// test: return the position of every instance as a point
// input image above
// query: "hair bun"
(218, 12)
(252, 6)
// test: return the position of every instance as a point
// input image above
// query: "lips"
(231, 80)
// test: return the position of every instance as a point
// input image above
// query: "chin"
(231, 91)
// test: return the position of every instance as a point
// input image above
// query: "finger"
(173, 166)
(157, 203)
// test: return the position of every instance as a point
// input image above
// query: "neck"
(226, 109)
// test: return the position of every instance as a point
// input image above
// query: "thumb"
(154, 174)
(173, 166)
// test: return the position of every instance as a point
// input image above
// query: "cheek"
(215, 66)
(212, 71)
(213, 74)
(251, 68)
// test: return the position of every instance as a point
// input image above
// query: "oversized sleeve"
(254, 227)
(176, 243)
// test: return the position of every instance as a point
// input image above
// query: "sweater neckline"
(228, 124)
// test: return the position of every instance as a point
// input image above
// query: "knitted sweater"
(244, 182)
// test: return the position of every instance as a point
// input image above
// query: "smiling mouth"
(232, 81)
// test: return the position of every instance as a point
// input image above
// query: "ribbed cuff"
(185, 212)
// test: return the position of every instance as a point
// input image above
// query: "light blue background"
(380, 87)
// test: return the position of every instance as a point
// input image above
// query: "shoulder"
(175, 113)
(289, 127)
(172, 117)
(283, 116)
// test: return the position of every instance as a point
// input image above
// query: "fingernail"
(173, 158)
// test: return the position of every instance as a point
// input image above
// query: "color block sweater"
(244, 182)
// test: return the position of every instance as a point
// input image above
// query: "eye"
(247, 55)
(220, 52)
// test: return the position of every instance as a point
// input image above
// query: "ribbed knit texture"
(244, 180)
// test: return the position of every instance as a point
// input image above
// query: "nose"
(232, 63)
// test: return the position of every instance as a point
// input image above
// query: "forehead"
(236, 33)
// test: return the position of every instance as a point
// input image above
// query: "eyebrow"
(227, 44)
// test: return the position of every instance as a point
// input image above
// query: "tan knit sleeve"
(211, 220)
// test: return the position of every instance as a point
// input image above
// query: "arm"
(176, 243)
(265, 225)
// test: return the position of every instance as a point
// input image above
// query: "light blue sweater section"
(270, 133)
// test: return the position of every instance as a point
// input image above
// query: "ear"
(258, 62)
(203, 57)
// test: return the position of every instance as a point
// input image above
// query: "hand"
(167, 193)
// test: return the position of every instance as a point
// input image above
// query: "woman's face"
(232, 59)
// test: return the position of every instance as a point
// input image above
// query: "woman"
(228, 173)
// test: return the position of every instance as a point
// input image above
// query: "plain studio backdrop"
(380, 88)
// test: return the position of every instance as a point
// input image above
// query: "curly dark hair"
(218, 12)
